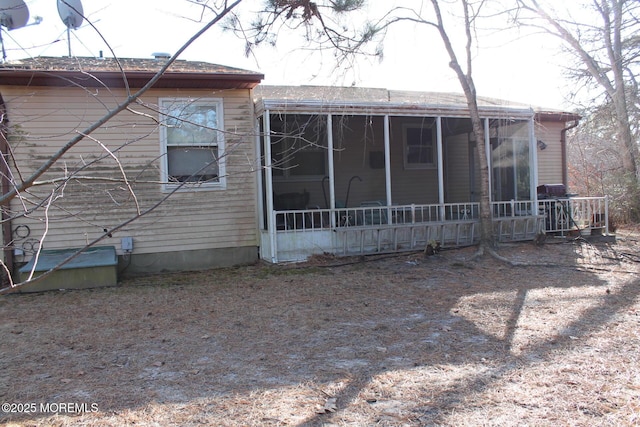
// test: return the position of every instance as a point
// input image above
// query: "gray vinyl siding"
(457, 169)
(408, 186)
(43, 119)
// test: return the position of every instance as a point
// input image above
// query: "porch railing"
(374, 214)
(582, 214)
(561, 216)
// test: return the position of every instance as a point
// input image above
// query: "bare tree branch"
(124, 174)
(5, 198)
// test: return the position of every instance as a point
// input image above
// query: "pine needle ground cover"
(390, 340)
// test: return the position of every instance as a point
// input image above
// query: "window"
(192, 143)
(419, 147)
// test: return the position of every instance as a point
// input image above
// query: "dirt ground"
(390, 340)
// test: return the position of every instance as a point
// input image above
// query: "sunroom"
(352, 171)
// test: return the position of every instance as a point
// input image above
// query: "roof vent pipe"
(161, 55)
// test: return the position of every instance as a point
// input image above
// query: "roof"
(100, 72)
(356, 100)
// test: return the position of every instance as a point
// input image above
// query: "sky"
(526, 70)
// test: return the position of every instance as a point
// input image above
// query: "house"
(186, 147)
(220, 171)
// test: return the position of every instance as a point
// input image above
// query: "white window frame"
(219, 142)
(405, 147)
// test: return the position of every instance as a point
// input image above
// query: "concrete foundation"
(100, 267)
(138, 264)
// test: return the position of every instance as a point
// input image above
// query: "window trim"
(405, 147)
(216, 103)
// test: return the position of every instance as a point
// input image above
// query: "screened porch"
(350, 178)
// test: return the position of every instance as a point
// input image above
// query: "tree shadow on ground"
(433, 412)
(223, 346)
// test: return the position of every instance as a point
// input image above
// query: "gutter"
(134, 79)
(5, 185)
(383, 108)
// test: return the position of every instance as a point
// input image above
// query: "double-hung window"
(192, 143)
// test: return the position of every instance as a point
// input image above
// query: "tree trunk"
(487, 238)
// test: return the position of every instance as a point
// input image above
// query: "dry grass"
(395, 341)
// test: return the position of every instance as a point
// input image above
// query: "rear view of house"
(208, 169)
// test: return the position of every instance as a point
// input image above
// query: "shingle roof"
(195, 74)
(330, 94)
(358, 100)
(50, 63)
(370, 100)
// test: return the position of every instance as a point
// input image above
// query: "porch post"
(387, 164)
(440, 166)
(487, 148)
(514, 196)
(332, 181)
(271, 220)
(533, 167)
(606, 215)
(260, 182)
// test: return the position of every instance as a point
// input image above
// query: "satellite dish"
(13, 14)
(71, 13)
